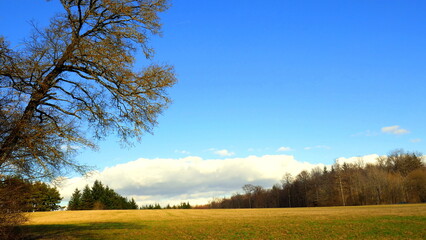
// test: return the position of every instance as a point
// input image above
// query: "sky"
(264, 88)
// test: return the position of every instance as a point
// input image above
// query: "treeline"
(182, 205)
(99, 197)
(20, 195)
(399, 177)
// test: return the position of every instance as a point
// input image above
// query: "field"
(367, 222)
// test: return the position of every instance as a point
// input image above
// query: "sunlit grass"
(367, 222)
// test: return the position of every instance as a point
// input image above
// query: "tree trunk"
(44, 85)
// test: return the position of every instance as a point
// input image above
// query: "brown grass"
(367, 222)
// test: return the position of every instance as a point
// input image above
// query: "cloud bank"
(192, 178)
(367, 159)
(189, 179)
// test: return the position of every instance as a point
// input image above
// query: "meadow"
(407, 221)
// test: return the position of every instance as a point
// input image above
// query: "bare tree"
(338, 170)
(399, 161)
(76, 80)
(249, 189)
(286, 183)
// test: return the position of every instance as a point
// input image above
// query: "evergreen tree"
(87, 201)
(75, 201)
(132, 204)
(99, 197)
(43, 197)
(33, 196)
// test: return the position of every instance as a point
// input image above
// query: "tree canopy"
(400, 177)
(99, 197)
(78, 76)
(21, 195)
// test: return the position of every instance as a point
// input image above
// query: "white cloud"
(182, 152)
(284, 149)
(190, 179)
(367, 159)
(397, 130)
(193, 179)
(415, 140)
(224, 153)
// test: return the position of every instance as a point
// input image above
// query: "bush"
(13, 195)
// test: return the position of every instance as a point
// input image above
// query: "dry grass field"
(366, 222)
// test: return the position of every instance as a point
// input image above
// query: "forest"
(182, 205)
(99, 197)
(28, 196)
(399, 177)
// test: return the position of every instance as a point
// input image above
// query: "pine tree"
(43, 197)
(132, 204)
(75, 201)
(99, 197)
(87, 201)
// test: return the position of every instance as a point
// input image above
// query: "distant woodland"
(27, 196)
(99, 197)
(399, 177)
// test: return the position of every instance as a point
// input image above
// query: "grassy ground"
(367, 222)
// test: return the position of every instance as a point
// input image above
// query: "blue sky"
(319, 79)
